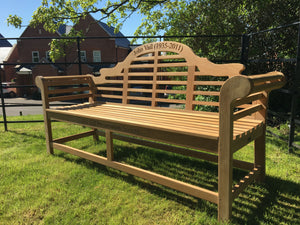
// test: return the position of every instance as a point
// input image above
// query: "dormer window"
(35, 56)
(48, 56)
(96, 56)
(83, 56)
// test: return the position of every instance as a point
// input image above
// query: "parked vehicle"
(9, 91)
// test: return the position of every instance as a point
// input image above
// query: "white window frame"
(96, 56)
(83, 56)
(47, 54)
(35, 56)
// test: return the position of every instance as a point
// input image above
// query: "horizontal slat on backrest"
(69, 90)
(65, 80)
(69, 97)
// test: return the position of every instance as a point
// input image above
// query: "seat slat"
(155, 119)
(152, 114)
(141, 118)
(202, 125)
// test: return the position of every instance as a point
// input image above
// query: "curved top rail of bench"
(148, 51)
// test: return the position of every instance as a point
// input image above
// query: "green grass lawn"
(37, 188)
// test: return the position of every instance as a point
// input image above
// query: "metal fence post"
(79, 55)
(245, 48)
(3, 104)
(295, 93)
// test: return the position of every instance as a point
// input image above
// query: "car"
(9, 91)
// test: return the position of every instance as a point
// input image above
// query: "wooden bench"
(155, 96)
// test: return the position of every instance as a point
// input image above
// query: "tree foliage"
(214, 17)
(175, 17)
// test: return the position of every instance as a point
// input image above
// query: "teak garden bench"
(136, 93)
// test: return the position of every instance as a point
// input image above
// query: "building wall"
(25, 47)
(22, 53)
(10, 69)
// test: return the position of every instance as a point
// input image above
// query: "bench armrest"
(245, 90)
(64, 88)
(241, 87)
(266, 82)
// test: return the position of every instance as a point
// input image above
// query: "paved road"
(11, 110)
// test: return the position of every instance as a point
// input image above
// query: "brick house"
(5, 48)
(95, 53)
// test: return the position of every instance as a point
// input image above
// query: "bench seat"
(163, 123)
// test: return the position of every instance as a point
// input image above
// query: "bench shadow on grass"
(275, 201)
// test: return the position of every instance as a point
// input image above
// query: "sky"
(25, 9)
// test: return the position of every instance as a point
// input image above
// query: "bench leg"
(48, 135)
(260, 156)
(95, 135)
(109, 145)
(224, 183)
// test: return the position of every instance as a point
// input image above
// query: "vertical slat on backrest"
(155, 70)
(190, 87)
(172, 73)
(125, 86)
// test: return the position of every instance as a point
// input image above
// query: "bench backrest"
(163, 73)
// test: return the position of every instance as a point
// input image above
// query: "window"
(35, 56)
(96, 56)
(48, 56)
(83, 56)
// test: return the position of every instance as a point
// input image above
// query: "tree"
(53, 13)
(214, 17)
